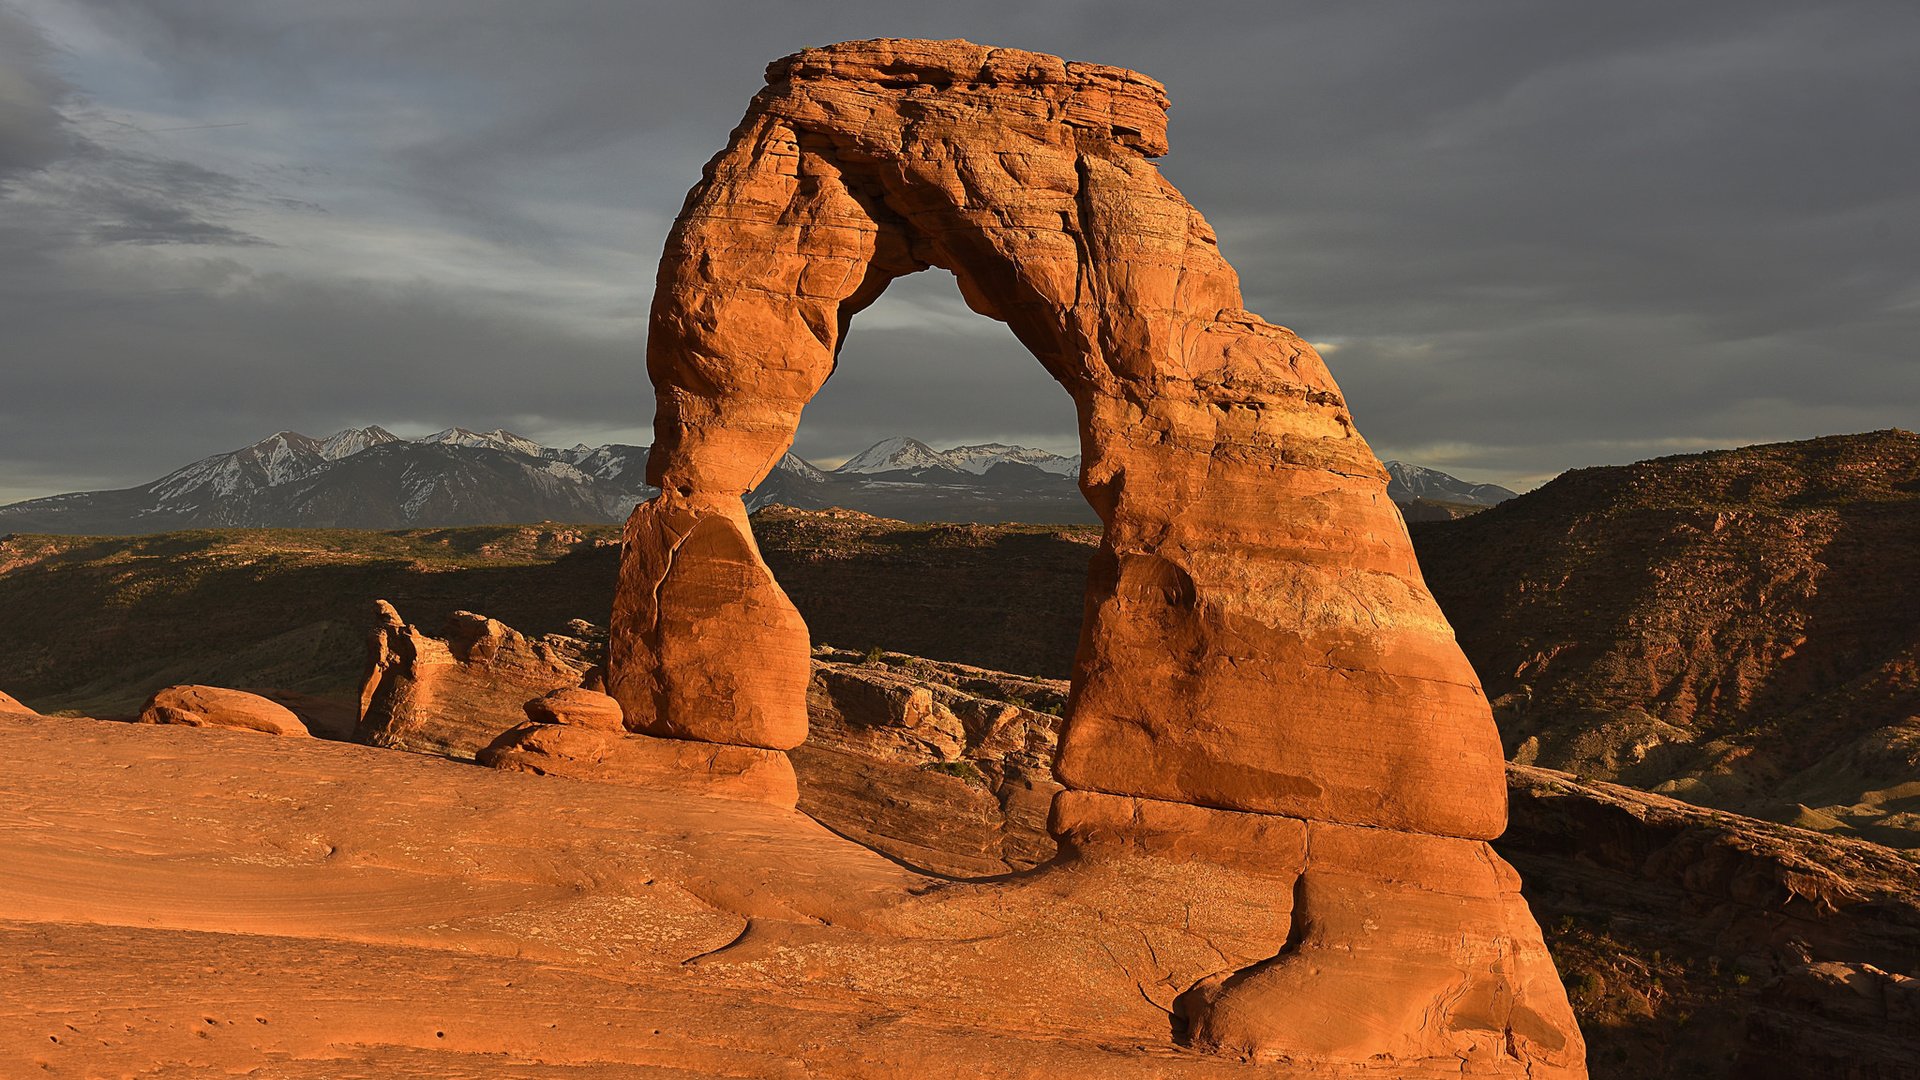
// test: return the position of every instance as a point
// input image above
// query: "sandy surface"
(188, 903)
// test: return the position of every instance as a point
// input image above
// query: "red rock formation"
(9, 703)
(931, 763)
(663, 765)
(578, 734)
(1257, 636)
(456, 694)
(1029, 179)
(213, 706)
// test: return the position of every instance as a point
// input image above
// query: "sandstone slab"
(213, 706)
(931, 763)
(608, 756)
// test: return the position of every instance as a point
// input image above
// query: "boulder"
(9, 703)
(213, 706)
(577, 707)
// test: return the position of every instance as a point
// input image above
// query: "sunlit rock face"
(1257, 640)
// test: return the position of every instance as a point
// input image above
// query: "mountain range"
(370, 478)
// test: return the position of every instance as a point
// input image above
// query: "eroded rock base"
(1395, 945)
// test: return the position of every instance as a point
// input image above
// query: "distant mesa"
(370, 478)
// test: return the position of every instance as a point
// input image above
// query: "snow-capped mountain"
(353, 440)
(891, 455)
(497, 439)
(794, 465)
(369, 478)
(276, 459)
(978, 459)
(614, 461)
(1407, 483)
(903, 454)
(360, 478)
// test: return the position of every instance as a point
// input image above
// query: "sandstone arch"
(1257, 638)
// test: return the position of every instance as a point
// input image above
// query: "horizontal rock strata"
(931, 763)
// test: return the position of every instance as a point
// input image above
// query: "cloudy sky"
(1527, 235)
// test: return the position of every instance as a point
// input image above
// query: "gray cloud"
(32, 131)
(1531, 236)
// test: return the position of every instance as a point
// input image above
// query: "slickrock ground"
(190, 902)
(218, 875)
(1740, 629)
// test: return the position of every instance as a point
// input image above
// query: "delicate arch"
(1257, 636)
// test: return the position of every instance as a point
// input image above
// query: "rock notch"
(1260, 661)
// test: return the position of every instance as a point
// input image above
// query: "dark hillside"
(1739, 628)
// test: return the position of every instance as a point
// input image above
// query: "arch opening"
(923, 383)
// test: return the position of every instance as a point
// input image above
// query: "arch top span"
(1257, 636)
